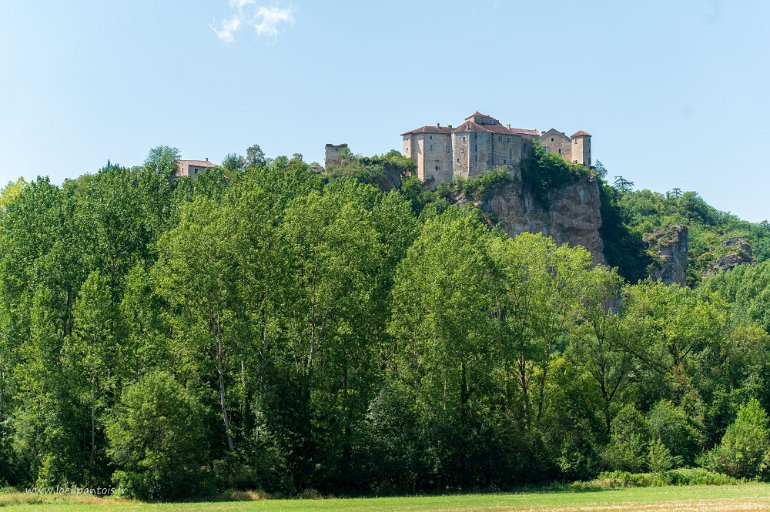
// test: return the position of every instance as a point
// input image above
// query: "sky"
(674, 93)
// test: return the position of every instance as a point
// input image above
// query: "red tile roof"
(430, 129)
(581, 133)
(470, 126)
(196, 163)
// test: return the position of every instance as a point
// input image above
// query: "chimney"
(438, 125)
(207, 159)
(509, 126)
(450, 126)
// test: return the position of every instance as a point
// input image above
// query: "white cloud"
(240, 4)
(266, 21)
(228, 29)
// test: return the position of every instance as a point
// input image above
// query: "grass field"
(747, 497)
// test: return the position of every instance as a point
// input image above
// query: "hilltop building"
(192, 168)
(334, 154)
(482, 143)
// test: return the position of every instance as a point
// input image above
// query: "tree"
(745, 448)
(443, 304)
(234, 162)
(598, 342)
(157, 437)
(94, 357)
(197, 274)
(11, 191)
(670, 425)
(162, 160)
(540, 285)
(659, 458)
(623, 185)
(255, 157)
(628, 447)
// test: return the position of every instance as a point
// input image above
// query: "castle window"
(509, 139)
(431, 148)
(504, 161)
(560, 151)
(463, 138)
(431, 136)
(499, 139)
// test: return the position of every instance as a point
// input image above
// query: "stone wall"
(433, 153)
(334, 153)
(556, 142)
(461, 145)
(581, 150)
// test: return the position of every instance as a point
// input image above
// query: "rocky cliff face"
(737, 251)
(671, 246)
(570, 214)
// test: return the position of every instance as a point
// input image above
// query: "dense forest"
(271, 326)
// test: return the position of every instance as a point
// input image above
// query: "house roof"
(430, 129)
(197, 163)
(580, 133)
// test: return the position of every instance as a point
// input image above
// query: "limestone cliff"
(735, 251)
(670, 246)
(570, 214)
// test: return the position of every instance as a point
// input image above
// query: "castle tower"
(334, 154)
(581, 148)
(430, 147)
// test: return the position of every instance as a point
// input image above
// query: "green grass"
(744, 497)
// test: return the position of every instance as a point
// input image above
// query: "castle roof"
(430, 129)
(580, 133)
(554, 131)
(470, 126)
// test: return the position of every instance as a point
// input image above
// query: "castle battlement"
(482, 143)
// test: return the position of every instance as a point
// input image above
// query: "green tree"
(234, 162)
(157, 437)
(628, 447)
(659, 458)
(162, 161)
(94, 357)
(745, 448)
(255, 157)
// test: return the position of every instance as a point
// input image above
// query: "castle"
(481, 143)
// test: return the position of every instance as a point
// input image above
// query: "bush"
(628, 448)
(670, 424)
(745, 448)
(681, 476)
(156, 436)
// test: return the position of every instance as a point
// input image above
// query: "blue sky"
(674, 92)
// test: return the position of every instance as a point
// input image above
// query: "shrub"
(659, 459)
(627, 450)
(156, 436)
(745, 448)
(681, 476)
(670, 424)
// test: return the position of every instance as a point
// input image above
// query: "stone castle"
(482, 143)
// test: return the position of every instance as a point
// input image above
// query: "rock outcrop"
(671, 247)
(570, 214)
(737, 252)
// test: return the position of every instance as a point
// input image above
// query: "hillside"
(269, 325)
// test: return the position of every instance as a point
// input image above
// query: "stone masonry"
(482, 143)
